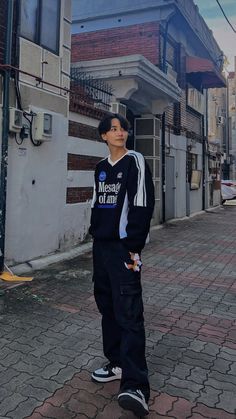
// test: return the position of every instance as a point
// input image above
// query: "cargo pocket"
(132, 303)
(133, 288)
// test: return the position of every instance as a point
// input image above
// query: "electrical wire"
(27, 116)
(221, 8)
(19, 142)
(17, 90)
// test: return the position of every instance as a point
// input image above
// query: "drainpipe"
(164, 66)
(163, 133)
(163, 165)
(204, 145)
(227, 137)
(163, 126)
(5, 131)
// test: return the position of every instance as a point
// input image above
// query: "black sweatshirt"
(123, 201)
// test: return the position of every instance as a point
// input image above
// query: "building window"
(169, 54)
(195, 99)
(40, 22)
(193, 174)
(196, 179)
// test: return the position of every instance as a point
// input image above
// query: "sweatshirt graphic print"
(123, 201)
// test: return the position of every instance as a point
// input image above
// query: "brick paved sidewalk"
(50, 335)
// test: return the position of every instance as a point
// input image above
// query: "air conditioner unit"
(42, 126)
(146, 127)
(117, 107)
(220, 120)
(15, 120)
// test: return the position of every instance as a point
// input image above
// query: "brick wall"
(179, 118)
(78, 194)
(116, 42)
(169, 116)
(84, 105)
(142, 39)
(190, 121)
(76, 129)
(78, 162)
(182, 120)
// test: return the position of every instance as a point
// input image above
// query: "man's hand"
(136, 262)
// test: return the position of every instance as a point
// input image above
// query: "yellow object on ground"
(8, 276)
(231, 202)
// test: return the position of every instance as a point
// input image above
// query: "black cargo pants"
(118, 294)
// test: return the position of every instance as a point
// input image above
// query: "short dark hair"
(105, 124)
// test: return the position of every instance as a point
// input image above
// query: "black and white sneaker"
(107, 373)
(133, 400)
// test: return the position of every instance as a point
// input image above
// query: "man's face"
(116, 136)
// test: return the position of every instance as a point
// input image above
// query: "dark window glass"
(40, 22)
(29, 14)
(50, 24)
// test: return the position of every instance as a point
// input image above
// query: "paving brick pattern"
(50, 335)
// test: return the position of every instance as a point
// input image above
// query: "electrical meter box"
(42, 126)
(15, 120)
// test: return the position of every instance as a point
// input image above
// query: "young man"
(122, 208)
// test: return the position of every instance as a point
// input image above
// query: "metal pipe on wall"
(204, 150)
(5, 130)
(163, 165)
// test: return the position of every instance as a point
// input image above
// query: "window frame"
(38, 29)
(170, 43)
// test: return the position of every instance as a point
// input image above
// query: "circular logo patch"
(102, 176)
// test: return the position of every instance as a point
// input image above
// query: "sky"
(223, 33)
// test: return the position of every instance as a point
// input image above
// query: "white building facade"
(36, 209)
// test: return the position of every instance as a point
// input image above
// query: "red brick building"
(160, 58)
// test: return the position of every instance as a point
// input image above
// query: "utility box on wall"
(15, 120)
(43, 126)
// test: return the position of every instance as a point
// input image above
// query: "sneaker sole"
(105, 380)
(128, 403)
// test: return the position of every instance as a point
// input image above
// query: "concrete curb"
(42, 262)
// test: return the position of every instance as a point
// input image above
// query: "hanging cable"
(29, 116)
(18, 141)
(221, 8)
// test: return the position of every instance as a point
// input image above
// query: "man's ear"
(104, 137)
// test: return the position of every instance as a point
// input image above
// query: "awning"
(205, 70)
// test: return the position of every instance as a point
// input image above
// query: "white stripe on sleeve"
(140, 198)
(124, 218)
(94, 196)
